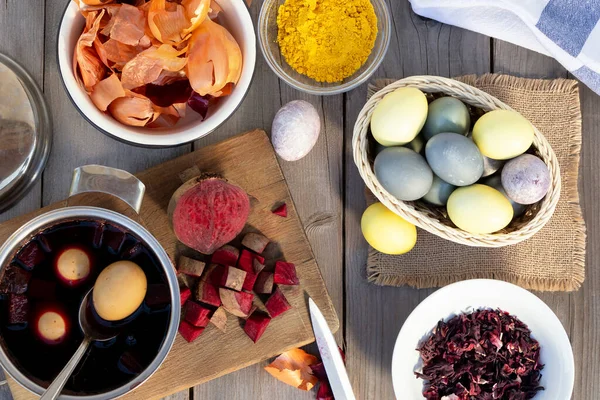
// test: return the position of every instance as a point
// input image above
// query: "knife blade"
(330, 355)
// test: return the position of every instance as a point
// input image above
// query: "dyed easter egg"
(526, 179)
(439, 193)
(503, 134)
(454, 158)
(403, 173)
(479, 209)
(399, 116)
(446, 114)
(387, 232)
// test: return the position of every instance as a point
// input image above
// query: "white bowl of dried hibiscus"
(156, 73)
(483, 339)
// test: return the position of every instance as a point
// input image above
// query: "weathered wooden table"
(325, 185)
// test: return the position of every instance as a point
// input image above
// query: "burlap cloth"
(553, 259)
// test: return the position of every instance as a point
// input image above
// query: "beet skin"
(207, 212)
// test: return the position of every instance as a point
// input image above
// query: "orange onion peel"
(86, 59)
(214, 59)
(128, 25)
(173, 23)
(293, 368)
(106, 91)
(135, 109)
(147, 66)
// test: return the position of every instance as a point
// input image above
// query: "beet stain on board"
(488, 354)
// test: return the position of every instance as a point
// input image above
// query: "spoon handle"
(57, 384)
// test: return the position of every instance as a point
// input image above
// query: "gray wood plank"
(316, 186)
(584, 304)
(375, 314)
(24, 45)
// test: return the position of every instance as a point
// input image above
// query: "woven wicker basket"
(435, 219)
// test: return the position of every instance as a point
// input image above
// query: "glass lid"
(25, 132)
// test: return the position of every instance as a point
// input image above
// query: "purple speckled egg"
(526, 179)
(295, 130)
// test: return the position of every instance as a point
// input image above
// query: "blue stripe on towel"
(589, 77)
(568, 23)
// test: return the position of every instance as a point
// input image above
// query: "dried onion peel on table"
(144, 62)
(486, 354)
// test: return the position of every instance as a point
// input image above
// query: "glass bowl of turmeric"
(324, 47)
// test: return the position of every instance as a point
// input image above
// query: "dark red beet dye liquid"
(107, 365)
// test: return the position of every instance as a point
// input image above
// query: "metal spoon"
(90, 334)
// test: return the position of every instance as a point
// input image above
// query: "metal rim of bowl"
(25, 231)
(144, 145)
(326, 90)
(44, 137)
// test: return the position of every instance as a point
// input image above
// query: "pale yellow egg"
(399, 116)
(119, 290)
(479, 209)
(73, 264)
(387, 232)
(503, 134)
(52, 326)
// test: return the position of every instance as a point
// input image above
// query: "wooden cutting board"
(250, 162)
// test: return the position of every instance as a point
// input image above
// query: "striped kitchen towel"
(568, 30)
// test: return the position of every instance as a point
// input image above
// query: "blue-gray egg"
(454, 158)
(446, 114)
(496, 183)
(439, 192)
(491, 166)
(403, 173)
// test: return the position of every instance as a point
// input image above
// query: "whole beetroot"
(207, 212)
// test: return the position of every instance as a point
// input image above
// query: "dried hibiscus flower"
(135, 58)
(487, 354)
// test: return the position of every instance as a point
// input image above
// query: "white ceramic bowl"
(236, 19)
(556, 354)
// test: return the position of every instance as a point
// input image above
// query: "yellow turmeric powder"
(327, 40)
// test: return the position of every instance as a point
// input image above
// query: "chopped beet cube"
(113, 239)
(130, 363)
(207, 293)
(256, 325)
(233, 278)
(184, 295)
(15, 280)
(226, 255)
(325, 392)
(197, 315)
(41, 289)
(277, 304)
(219, 319)
(157, 295)
(255, 242)
(264, 283)
(236, 303)
(285, 274)
(190, 267)
(31, 255)
(187, 280)
(18, 309)
(247, 263)
(44, 244)
(98, 235)
(132, 251)
(281, 210)
(189, 331)
(214, 274)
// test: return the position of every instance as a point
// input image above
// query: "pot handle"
(113, 181)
